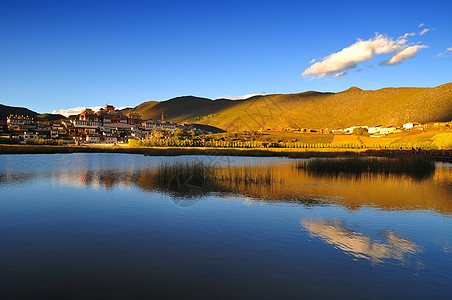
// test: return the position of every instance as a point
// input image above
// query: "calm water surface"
(90, 226)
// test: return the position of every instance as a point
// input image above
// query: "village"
(110, 126)
(106, 126)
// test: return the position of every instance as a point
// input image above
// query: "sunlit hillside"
(388, 106)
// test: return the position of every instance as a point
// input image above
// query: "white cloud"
(447, 53)
(337, 75)
(424, 31)
(420, 25)
(401, 56)
(350, 56)
(77, 110)
(338, 63)
(240, 97)
(312, 61)
(403, 37)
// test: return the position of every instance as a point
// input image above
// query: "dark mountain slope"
(6, 110)
(183, 108)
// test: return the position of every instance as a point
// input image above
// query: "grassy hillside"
(183, 108)
(50, 117)
(388, 106)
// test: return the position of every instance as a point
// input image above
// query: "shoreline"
(178, 151)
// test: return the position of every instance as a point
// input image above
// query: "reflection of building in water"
(358, 245)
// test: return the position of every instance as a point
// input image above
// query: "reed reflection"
(336, 233)
(262, 183)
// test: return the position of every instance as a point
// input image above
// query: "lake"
(90, 226)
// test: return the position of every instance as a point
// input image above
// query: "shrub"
(33, 141)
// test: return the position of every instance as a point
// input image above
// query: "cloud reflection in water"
(334, 232)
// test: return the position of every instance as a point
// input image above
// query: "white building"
(110, 139)
(151, 125)
(374, 129)
(409, 126)
(30, 135)
(93, 138)
(86, 124)
(18, 120)
(387, 130)
(350, 129)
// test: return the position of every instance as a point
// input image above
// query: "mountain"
(387, 106)
(6, 110)
(50, 117)
(183, 108)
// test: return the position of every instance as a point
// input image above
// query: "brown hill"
(182, 108)
(388, 106)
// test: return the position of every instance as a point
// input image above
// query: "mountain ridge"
(310, 109)
(6, 111)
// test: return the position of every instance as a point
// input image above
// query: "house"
(54, 133)
(89, 115)
(337, 131)
(86, 124)
(411, 125)
(110, 139)
(30, 135)
(93, 138)
(18, 120)
(388, 130)
(151, 125)
(374, 129)
(350, 129)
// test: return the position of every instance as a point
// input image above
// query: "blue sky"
(65, 54)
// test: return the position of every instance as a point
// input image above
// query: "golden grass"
(390, 106)
(346, 138)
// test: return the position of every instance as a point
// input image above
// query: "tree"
(182, 133)
(159, 133)
(360, 131)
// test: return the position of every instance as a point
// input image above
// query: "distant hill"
(388, 106)
(183, 108)
(50, 117)
(6, 111)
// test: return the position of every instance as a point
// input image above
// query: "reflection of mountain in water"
(387, 192)
(360, 246)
